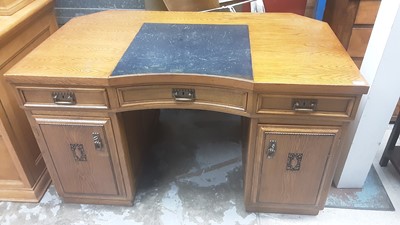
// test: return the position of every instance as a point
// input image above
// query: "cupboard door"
(293, 162)
(81, 156)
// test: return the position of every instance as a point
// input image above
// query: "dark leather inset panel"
(222, 50)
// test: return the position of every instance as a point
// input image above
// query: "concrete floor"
(201, 186)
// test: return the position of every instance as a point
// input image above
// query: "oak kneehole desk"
(92, 91)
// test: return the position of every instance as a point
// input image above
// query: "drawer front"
(64, 98)
(359, 41)
(367, 12)
(326, 106)
(162, 95)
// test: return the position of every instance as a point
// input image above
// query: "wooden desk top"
(286, 49)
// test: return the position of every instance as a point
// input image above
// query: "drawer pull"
(183, 95)
(64, 98)
(304, 105)
(271, 150)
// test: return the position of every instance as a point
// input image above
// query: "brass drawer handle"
(183, 95)
(304, 105)
(64, 98)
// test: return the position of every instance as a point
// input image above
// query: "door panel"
(82, 166)
(293, 161)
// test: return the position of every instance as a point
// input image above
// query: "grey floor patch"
(372, 196)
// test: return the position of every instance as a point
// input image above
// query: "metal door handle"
(98, 145)
(271, 150)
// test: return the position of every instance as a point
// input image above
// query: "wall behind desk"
(67, 9)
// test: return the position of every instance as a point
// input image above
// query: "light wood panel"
(9, 7)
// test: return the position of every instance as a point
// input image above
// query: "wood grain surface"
(285, 49)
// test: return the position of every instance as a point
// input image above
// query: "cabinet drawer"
(163, 95)
(329, 106)
(359, 41)
(69, 98)
(367, 11)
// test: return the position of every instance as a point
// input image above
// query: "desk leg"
(249, 128)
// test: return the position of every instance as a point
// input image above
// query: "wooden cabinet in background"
(9, 7)
(23, 174)
(352, 21)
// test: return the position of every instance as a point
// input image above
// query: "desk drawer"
(163, 95)
(327, 106)
(64, 98)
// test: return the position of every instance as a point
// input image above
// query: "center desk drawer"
(163, 94)
(327, 106)
(86, 98)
